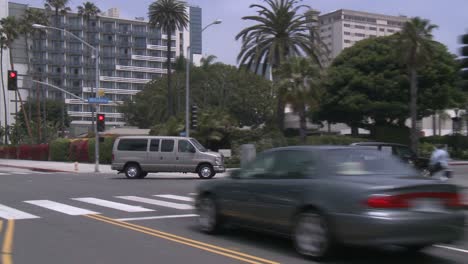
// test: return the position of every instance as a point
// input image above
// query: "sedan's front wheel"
(311, 235)
(208, 215)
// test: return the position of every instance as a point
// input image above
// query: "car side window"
(185, 146)
(133, 145)
(259, 168)
(404, 152)
(294, 164)
(154, 145)
(167, 145)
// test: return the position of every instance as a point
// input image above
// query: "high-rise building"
(343, 28)
(131, 53)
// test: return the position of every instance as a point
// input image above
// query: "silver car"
(137, 156)
(324, 196)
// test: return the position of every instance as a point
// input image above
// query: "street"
(105, 218)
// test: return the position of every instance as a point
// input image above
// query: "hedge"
(105, 150)
(60, 150)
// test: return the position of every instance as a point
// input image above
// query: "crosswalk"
(116, 203)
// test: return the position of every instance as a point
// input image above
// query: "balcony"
(75, 26)
(108, 30)
(124, 43)
(140, 45)
(55, 49)
(39, 48)
(107, 54)
(74, 51)
(91, 29)
(107, 67)
(40, 60)
(140, 33)
(124, 32)
(57, 62)
(123, 56)
(108, 42)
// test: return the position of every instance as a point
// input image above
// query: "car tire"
(311, 235)
(133, 171)
(209, 220)
(206, 171)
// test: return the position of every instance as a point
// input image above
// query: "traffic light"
(464, 60)
(12, 80)
(101, 122)
(194, 120)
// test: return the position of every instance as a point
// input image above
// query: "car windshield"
(197, 144)
(365, 162)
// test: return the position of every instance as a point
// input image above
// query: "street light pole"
(187, 80)
(96, 53)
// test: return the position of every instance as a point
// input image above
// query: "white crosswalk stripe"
(176, 197)
(11, 213)
(62, 208)
(2, 173)
(157, 202)
(20, 173)
(113, 205)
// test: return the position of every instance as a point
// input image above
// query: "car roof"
(367, 143)
(317, 147)
(152, 137)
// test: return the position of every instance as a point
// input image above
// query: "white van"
(139, 155)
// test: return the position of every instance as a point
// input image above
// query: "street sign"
(101, 100)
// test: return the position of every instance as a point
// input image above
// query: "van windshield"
(197, 144)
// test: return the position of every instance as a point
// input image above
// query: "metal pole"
(96, 167)
(187, 94)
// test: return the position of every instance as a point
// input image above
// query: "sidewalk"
(53, 166)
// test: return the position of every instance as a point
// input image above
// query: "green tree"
(168, 15)
(280, 32)
(415, 44)
(11, 30)
(368, 86)
(301, 87)
(59, 7)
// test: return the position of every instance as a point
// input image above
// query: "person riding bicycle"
(439, 161)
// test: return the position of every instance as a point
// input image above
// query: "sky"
(450, 15)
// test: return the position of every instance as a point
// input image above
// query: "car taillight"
(387, 201)
(404, 200)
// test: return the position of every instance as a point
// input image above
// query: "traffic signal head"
(464, 61)
(194, 117)
(12, 80)
(101, 122)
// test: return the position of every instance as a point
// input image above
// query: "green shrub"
(332, 140)
(105, 150)
(426, 149)
(60, 149)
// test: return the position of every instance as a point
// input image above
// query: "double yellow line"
(185, 241)
(7, 247)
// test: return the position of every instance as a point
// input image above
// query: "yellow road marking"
(8, 242)
(193, 243)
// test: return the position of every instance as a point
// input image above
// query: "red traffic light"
(13, 74)
(101, 117)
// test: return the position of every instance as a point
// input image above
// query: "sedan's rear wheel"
(208, 215)
(311, 235)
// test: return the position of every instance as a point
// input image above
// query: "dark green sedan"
(325, 196)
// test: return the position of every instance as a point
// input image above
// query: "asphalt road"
(71, 218)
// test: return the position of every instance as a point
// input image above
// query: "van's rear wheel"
(133, 171)
(206, 171)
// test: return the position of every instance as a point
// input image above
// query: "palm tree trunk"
(414, 109)
(38, 108)
(434, 125)
(26, 119)
(4, 95)
(169, 73)
(303, 124)
(440, 124)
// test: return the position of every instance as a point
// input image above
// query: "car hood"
(212, 153)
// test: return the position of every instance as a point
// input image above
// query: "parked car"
(402, 151)
(137, 156)
(323, 196)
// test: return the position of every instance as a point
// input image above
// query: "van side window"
(186, 147)
(154, 146)
(167, 145)
(133, 144)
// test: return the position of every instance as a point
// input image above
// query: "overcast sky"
(450, 15)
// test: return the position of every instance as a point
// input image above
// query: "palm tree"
(59, 7)
(415, 46)
(3, 40)
(281, 32)
(300, 86)
(168, 15)
(88, 10)
(10, 27)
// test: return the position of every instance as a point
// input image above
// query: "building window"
(391, 30)
(346, 25)
(139, 63)
(139, 75)
(360, 35)
(139, 28)
(382, 29)
(139, 52)
(373, 28)
(107, 85)
(347, 41)
(155, 53)
(155, 64)
(347, 33)
(360, 27)
(124, 62)
(138, 86)
(124, 74)
(123, 86)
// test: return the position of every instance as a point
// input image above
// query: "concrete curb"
(35, 169)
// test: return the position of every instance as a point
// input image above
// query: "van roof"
(150, 137)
